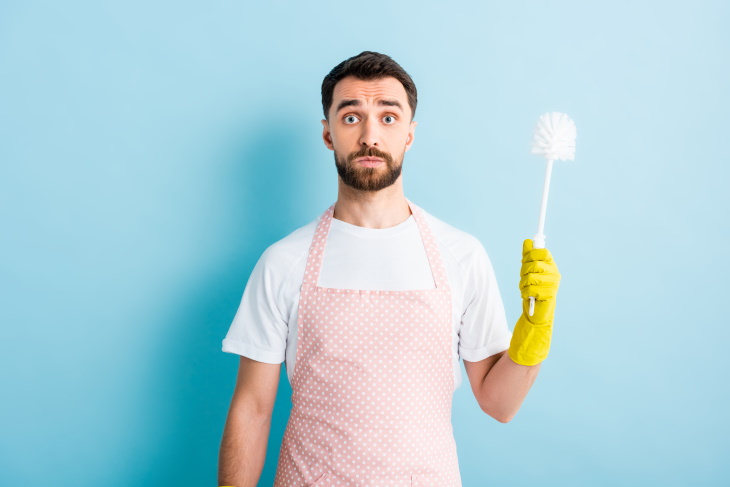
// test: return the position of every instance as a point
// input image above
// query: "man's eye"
(389, 119)
(351, 119)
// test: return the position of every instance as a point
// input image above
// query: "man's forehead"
(351, 87)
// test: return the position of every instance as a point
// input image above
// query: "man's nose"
(369, 135)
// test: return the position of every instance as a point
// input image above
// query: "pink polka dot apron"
(373, 382)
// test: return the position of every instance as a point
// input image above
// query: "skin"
(246, 433)
(498, 383)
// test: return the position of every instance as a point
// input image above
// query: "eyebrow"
(356, 103)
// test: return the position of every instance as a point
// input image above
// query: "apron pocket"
(319, 481)
(426, 480)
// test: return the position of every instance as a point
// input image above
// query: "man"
(371, 306)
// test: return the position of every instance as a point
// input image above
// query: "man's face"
(369, 130)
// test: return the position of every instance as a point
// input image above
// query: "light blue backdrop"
(151, 151)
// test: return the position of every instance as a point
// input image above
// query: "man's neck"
(372, 209)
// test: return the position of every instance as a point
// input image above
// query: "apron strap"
(316, 248)
(438, 269)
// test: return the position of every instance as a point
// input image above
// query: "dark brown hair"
(367, 65)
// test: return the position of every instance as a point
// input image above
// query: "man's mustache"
(370, 152)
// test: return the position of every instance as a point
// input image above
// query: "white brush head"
(554, 137)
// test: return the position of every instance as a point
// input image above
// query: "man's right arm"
(246, 434)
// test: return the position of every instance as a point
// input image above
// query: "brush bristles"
(554, 137)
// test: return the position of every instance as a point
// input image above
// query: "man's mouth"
(369, 161)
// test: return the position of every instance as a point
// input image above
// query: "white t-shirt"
(265, 325)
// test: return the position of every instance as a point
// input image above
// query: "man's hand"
(540, 279)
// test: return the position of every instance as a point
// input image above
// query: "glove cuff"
(530, 343)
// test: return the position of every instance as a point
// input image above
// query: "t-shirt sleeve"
(483, 329)
(260, 327)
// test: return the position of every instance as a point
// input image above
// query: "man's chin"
(371, 182)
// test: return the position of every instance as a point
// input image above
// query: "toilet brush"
(554, 139)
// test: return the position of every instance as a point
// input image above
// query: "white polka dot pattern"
(354, 422)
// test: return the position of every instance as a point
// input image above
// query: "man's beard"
(368, 178)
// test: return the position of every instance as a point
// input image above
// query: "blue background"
(151, 151)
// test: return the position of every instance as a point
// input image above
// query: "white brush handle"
(538, 241)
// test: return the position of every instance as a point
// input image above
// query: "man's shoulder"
(449, 234)
(286, 252)
(461, 245)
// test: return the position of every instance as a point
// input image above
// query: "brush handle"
(538, 241)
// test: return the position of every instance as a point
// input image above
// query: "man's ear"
(411, 135)
(326, 135)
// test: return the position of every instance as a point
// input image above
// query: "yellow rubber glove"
(539, 278)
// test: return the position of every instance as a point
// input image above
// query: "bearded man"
(371, 307)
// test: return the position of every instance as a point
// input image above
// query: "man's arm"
(501, 382)
(500, 385)
(246, 434)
